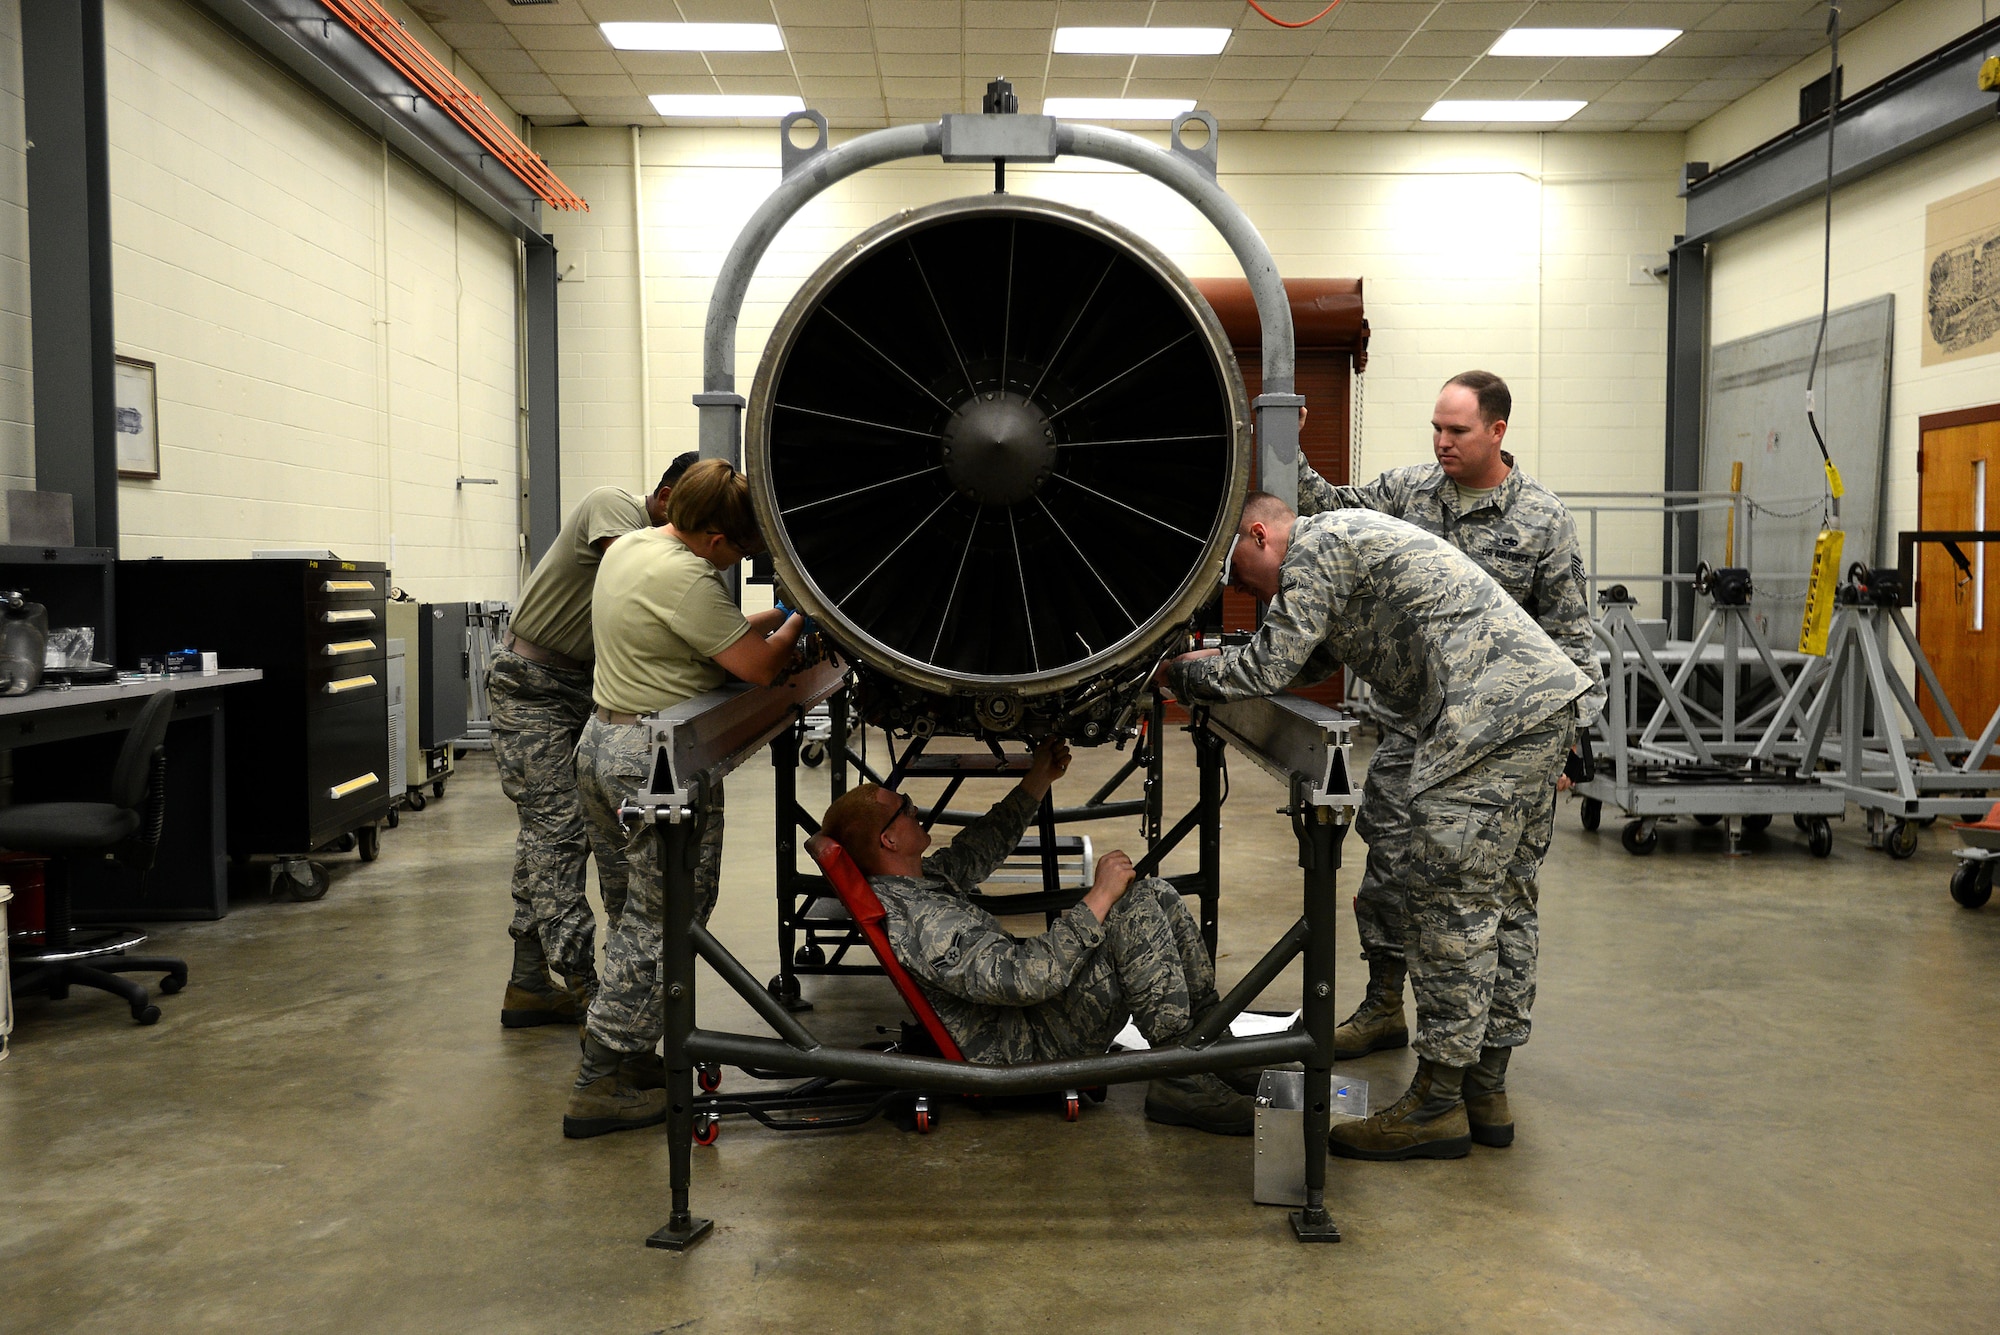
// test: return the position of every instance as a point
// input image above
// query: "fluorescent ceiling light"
(694, 36)
(1502, 111)
(1582, 41)
(727, 106)
(1141, 41)
(1117, 108)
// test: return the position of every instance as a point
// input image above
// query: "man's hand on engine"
(1051, 763)
(1160, 674)
(1114, 878)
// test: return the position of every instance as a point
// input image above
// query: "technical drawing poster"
(1962, 275)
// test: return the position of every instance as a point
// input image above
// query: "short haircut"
(712, 497)
(1261, 507)
(679, 466)
(854, 821)
(1496, 401)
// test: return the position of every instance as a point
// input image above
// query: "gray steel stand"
(680, 833)
(697, 743)
(1319, 855)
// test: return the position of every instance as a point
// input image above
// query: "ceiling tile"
(1011, 14)
(579, 87)
(464, 36)
(834, 62)
(931, 87)
(1489, 16)
(557, 36)
(820, 89)
(821, 14)
(1105, 13)
(1344, 67)
(1659, 92)
(628, 109)
(1090, 67)
(1007, 41)
(514, 84)
(496, 60)
(655, 64)
(1439, 67)
(828, 39)
(920, 41)
(543, 109)
(581, 62)
(932, 14)
(1405, 90)
(772, 63)
(1271, 41)
(909, 65)
(1463, 45)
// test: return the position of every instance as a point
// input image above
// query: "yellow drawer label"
(340, 790)
(349, 614)
(346, 684)
(348, 647)
(348, 586)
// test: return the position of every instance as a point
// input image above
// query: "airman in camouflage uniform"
(1129, 949)
(1523, 536)
(1490, 700)
(539, 694)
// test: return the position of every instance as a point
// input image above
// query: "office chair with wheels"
(126, 827)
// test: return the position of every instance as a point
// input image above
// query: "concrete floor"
(1760, 1098)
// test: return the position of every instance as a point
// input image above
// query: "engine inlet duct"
(998, 446)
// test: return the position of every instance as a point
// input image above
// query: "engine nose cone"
(998, 449)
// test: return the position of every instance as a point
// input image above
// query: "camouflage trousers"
(538, 713)
(1152, 968)
(1384, 825)
(613, 764)
(1471, 933)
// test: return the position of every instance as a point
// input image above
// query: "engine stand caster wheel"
(437, 790)
(1640, 838)
(808, 956)
(709, 1076)
(1072, 1106)
(146, 1013)
(1799, 823)
(1902, 840)
(1756, 824)
(1972, 883)
(301, 878)
(368, 839)
(1592, 814)
(706, 1129)
(417, 799)
(1819, 836)
(813, 755)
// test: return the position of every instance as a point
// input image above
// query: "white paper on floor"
(1250, 1024)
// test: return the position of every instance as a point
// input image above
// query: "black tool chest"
(306, 754)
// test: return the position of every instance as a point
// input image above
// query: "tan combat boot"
(1486, 1099)
(604, 1100)
(1426, 1123)
(531, 998)
(1377, 1025)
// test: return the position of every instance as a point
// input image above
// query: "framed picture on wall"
(138, 418)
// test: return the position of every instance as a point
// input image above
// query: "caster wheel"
(1927, 821)
(437, 790)
(395, 817)
(1799, 823)
(809, 957)
(1709, 820)
(369, 840)
(1639, 839)
(417, 799)
(706, 1130)
(1756, 824)
(1972, 884)
(1592, 814)
(813, 755)
(784, 989)
(300, 878)
(1072, 1108)
(343, 844)
(1819, 836)
(146, 1013)
(926, 1119)
(172, 983)
(709, 1076)
(1097, 1093)
(1902, 840)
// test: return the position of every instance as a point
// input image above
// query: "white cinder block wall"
(1769, 275)
(1509, 251)
(335, 334)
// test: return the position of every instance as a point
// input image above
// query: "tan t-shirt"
(555, 604)
(660, 614)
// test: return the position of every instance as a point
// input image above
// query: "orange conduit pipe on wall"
(392, 41)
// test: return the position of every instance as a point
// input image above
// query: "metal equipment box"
(444, 660)
(305, 758)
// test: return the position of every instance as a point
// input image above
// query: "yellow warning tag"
(1819, 588)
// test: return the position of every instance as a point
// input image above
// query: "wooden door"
(1958, 616)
